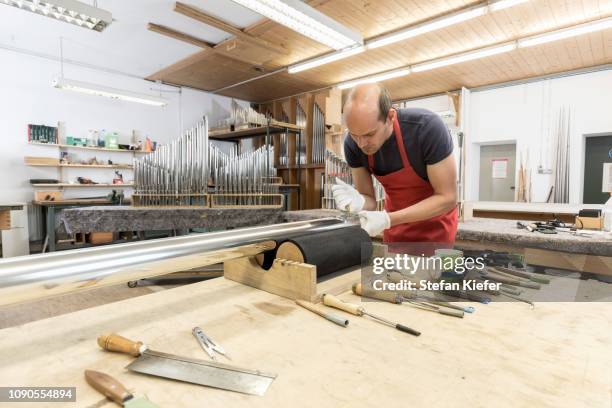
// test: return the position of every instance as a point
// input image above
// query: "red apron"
(404, 188)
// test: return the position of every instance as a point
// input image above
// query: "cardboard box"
(5, 219)
(53, 195)
(97, 238)
(590, 223)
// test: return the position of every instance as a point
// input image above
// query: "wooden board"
(556, 355)
(41, 290)
(290, 279)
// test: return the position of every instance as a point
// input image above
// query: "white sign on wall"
(499, 168)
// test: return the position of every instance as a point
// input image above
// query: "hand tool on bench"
(521, 274)
(329, 316)
(498, 277)
(396, 277)
(397, 298)
(186, 369)
(115, 391)
(208, 344)
(331, 300)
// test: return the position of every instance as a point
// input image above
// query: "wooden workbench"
(505, 354)
(524, 211)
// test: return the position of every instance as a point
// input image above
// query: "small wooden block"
(5, 220)
(97, 238)
(293, 280)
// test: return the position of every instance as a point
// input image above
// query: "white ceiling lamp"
(504, 4)
(466, 56)
(325, 59)
(586, 28)
(305, 20)
(375, 78)
(423, 28)
(410, 32)
(69, 11)
(99, 90)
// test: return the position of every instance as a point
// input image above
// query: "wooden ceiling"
(243, 58)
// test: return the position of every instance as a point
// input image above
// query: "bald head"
(368, 116)
(368, 99)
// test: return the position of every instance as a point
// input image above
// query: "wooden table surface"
(504, 355)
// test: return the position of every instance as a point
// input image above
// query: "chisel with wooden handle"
(208, 373)
(332, 301)
(115, 391)
(331, 317)
(397, 298)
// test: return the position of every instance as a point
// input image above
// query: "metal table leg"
(51, 227)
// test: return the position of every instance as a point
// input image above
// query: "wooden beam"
(169, 32)
(199, 15)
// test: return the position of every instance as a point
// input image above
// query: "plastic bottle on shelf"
(101, 138)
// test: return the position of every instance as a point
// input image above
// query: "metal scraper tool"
(208, 373)
(114, 390)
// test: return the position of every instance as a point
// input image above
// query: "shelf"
(69, 185)
(302, 166)
(274, 128)
(100, 149)
(91, 166)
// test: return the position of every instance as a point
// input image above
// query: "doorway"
(497, 172)
(597, 151)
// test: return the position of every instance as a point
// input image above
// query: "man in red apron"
(409, 151)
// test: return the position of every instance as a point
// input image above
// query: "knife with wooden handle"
(115, 391)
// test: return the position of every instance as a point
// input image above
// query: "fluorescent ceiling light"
(99, 90)
(436, 24)
(503, 4)
(566, 32)
(375, 78)
(467, 56)
(325, 59)
(305, 20)
(69, 11)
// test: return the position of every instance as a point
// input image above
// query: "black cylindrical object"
(331, 251)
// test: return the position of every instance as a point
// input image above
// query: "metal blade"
(139, 403)
(202, 372)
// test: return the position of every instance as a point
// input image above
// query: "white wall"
(26, 96)
(528, 114)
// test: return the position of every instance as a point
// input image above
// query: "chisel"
(115, 391)
(331, 317)
(397, 298)
(330, 300)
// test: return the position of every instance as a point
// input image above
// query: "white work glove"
(345, 194)
(374, 222)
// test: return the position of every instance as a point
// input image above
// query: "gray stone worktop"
(485, 230)
(492, 230)
(127, 218)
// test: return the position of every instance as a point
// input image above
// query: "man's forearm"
(435, 205)
(370, 203)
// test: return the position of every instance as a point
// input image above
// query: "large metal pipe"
(37, 276)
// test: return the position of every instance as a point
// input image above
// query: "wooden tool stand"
(293, 279)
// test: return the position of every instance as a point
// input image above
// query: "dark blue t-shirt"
(426, 139)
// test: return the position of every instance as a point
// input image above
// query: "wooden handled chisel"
(115, 391)
(331, 317)
(393, 297)
(330, 300)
